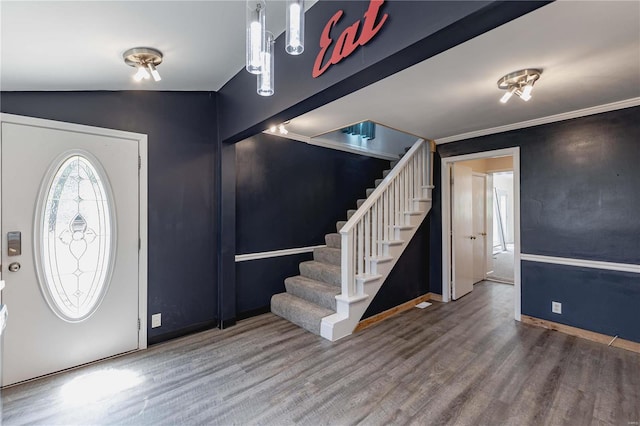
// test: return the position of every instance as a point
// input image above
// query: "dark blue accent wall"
(414, 32)
(290, 194)
(182, 131)
(579, 198)
(435, 230)
(409, 277)
(258, 280)
(599, 300)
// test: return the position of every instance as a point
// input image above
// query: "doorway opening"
(490, 185)
(501, 198)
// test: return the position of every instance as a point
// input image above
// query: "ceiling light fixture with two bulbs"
(145, 60)
(519, 83)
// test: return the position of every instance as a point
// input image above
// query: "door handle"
(472, 237)
(484, 234)
(14, 267)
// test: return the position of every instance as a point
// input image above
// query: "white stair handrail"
(384, 211)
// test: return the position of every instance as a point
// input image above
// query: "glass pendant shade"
(256, 37)
(265, 79)
(294, 44)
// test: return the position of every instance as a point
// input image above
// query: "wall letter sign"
(349, 40)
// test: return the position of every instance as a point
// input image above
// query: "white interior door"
(479, 230)
(462, 231)
(70, 257)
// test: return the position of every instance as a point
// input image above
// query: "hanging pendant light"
(265, 79)
(295, 27)
(256, 10)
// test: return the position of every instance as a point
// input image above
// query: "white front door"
(462, 231)
(70, 232)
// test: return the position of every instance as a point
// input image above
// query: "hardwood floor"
(465, 362)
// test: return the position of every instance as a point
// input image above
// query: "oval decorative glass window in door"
(75, 239)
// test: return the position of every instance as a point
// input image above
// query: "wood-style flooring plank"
(462, 363)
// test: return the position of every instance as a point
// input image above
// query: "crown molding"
(543, 120)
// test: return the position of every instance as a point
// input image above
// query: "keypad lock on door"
(14, 243)
(14, 248)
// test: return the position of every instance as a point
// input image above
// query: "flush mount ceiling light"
(145, 60)
(520, 83)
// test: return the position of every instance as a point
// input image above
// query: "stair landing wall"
(289, 194)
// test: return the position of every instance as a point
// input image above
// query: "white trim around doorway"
(446, 219)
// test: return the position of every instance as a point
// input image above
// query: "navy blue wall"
(413, 32)
(289, 194)
(599, 300)
(258, 280)
(182, 131)
(579, 198)
(435, 230)
(409, 277)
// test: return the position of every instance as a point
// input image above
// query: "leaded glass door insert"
(74, 238)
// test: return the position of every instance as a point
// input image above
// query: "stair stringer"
(350, 310)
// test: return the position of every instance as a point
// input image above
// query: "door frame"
(446, 164)
(141, 140)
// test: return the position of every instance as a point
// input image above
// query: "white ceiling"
(589, 52)
(78, 45)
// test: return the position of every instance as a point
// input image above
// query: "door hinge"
(139, 322)
(139, 162)
(139, 244)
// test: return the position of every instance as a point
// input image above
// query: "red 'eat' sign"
(346, 44)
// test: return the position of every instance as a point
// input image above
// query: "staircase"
(334, 289)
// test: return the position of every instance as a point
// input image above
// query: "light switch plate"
(556, 307)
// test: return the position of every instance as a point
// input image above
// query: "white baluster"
(367, 242)
(360, 252)
(374, 229)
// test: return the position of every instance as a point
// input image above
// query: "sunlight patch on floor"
(92, 387)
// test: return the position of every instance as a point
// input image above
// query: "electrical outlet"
(556, 307)
(156, 320)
